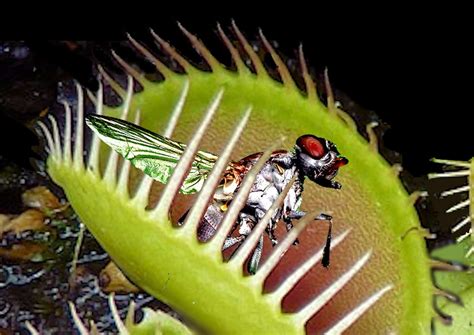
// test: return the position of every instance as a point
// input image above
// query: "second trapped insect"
(157, 156)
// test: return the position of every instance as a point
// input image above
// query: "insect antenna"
(327, 248)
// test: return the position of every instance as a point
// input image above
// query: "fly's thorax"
(210, 222)
(293, 199)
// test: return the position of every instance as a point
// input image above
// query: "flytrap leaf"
(463, 228)
(459, 287)
(153, 322)
(379, 278)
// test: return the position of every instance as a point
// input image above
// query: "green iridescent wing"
(154, 154)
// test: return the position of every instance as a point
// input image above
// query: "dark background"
(413, 69)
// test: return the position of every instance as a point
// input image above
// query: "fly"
(157, 156)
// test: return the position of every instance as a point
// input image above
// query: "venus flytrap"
(377, 281)
(463, 169)
(455, 302)
(153, 322)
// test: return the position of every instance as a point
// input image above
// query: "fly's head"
(319, 160)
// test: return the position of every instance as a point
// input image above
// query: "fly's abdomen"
(209, 223)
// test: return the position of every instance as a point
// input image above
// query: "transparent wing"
(154, 154)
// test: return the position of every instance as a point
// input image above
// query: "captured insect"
(157, 156)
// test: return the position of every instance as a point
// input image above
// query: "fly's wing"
(156, 155)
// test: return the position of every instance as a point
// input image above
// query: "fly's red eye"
(311, 145)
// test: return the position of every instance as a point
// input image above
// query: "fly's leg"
(323, 216)
(252, 265)
(230, 241)
(298, 215)
(327, 248)
(183, 217)
(329, 183)
(289, 226)
(271, 234)
(292, 215)
(246, 224)
(270, 229)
